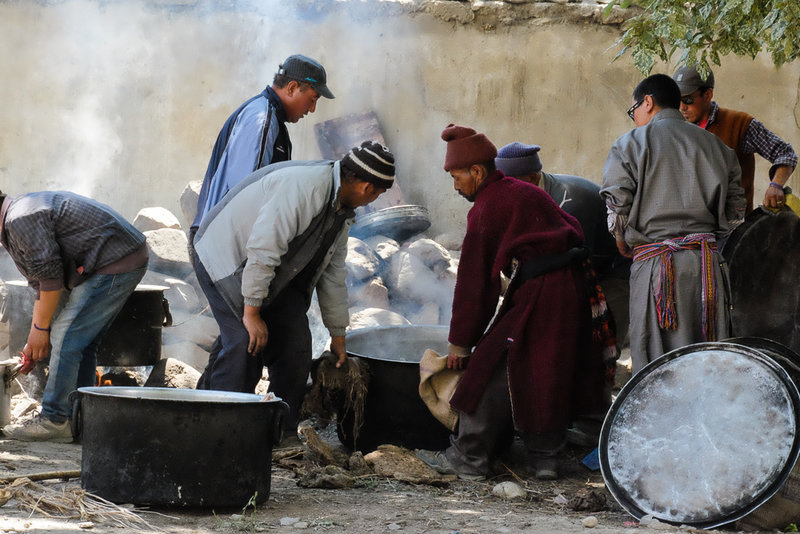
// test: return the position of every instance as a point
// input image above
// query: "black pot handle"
(167, 314)
(75, 422)
(277, 422)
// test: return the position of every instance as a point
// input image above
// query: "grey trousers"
(485, 433)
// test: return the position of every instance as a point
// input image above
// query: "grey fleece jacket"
(264, 231)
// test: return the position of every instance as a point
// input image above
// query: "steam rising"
(123, 100)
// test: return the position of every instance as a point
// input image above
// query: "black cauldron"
(176, 447)
(134, 337)
(394, 412)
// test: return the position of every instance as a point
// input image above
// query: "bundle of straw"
(72, 503)
(338, 390)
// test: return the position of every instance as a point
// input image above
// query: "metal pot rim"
(150, 287)
(175, 394)
(369, 330)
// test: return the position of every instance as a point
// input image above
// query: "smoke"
(122, 101)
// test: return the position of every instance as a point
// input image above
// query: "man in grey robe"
(671, 191)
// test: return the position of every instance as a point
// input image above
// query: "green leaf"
(710, 30)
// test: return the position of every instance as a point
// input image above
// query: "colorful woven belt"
(665, 296)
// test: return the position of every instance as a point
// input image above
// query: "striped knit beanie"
(371, 162)
(517, 159)
(466, 147)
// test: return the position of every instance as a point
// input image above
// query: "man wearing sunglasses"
(740, 131)
(671, 190)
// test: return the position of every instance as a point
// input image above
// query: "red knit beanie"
(466, 147)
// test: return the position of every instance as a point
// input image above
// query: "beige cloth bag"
(437, 384)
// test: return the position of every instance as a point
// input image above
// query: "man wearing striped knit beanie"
(274, 239)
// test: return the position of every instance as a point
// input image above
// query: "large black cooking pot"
(763, 256)
(394, 412)
(134, 337)
(176, 447)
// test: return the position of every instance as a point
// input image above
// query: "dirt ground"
(374, 504)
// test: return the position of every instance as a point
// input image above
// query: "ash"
(702, 436)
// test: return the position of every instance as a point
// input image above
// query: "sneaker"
(39, 428)
(438, 461)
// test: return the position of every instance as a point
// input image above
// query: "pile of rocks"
(391, 283)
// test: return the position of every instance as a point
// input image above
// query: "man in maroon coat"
(528, 370)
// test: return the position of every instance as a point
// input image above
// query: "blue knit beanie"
(516, 159)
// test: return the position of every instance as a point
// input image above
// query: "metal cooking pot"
(703, 435)
(162, 446)
(5, 392)
(765, 247)
(134, 337)
(394, 412)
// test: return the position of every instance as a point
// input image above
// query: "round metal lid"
(701, 436)
(398, 222)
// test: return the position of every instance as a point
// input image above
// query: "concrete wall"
(123, 100)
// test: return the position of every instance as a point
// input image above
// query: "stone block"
(169, 253)
(172, 373)
(187, 353)
(155, 218)
(362, 262)
(189, 201)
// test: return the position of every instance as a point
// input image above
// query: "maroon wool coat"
(543, 328)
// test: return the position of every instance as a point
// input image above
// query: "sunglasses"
(688, 100)
(633, 108)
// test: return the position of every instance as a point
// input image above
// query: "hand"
(27, 364)
(624, 249)
(338, 348)
(257, 328)
(774, 198)
(38, 345)
(454, 361)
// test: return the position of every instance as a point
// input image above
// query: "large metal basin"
(176, 447)
(703, 435)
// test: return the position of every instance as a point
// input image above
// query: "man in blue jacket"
(255, 135)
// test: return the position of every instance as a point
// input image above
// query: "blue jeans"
(76, 333)
(287, 354)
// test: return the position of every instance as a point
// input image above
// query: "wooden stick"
(43, 476)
